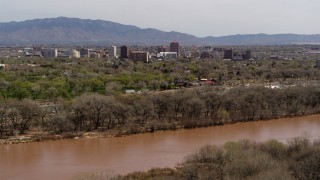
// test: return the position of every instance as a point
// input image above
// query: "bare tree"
(28, 112)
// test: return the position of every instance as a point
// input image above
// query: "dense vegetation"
(299, 159)
(129, 114)
(73, 96)
(68, 78)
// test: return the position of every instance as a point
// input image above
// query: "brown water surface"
(67, 159)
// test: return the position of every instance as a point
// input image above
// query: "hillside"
(64, 30)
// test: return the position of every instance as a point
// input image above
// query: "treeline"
(129, 114)
(298, 159)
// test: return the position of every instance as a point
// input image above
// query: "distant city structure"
(237, 56)
(124, 52)
(174, 47)
(167, 55)
(139, 56)
(205, 55)
(112, 50)
(84, 52)
(95, 54)
(228, 54)
(162, 49)
(50, 53)
(72, 53)
(248, 54)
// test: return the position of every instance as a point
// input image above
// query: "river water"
(68, 159)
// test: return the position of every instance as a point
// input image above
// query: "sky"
(197, 17)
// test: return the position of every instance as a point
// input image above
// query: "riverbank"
(120, 132)
(113, 116)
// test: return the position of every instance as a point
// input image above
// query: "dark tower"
(84, 52)
(228, 54)
(124, 52)
(174, 47)
(248, 54)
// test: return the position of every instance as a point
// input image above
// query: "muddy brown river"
(68, 159)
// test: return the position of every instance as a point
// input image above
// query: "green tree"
(19, 89)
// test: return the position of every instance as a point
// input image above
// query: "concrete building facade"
(50, 53)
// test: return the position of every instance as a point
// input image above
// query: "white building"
(112, 50)
(167, 55)
(50, 53)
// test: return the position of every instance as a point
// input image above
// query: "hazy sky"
(197, 17)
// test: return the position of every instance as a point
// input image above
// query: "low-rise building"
(139, 56)
(50, 53)
(205, 55)
(167, 55)
(84, 52)
(72, 54)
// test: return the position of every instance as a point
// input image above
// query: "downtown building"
(124, 52)
(84, 52)
(174, 47)
(228, 54)
(112, 50)
(50, 53)
(139, 56)
(167, 55)
(72, 54)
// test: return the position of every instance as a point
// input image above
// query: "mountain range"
(63, 30)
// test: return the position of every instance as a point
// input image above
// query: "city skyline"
(200, 18)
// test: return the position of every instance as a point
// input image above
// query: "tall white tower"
(112, 51)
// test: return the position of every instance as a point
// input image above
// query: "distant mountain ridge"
(64, 30)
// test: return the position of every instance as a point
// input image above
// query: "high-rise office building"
(228, 54)
(124, 52)
(248, 54)
(112, 50)
(174, 47)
